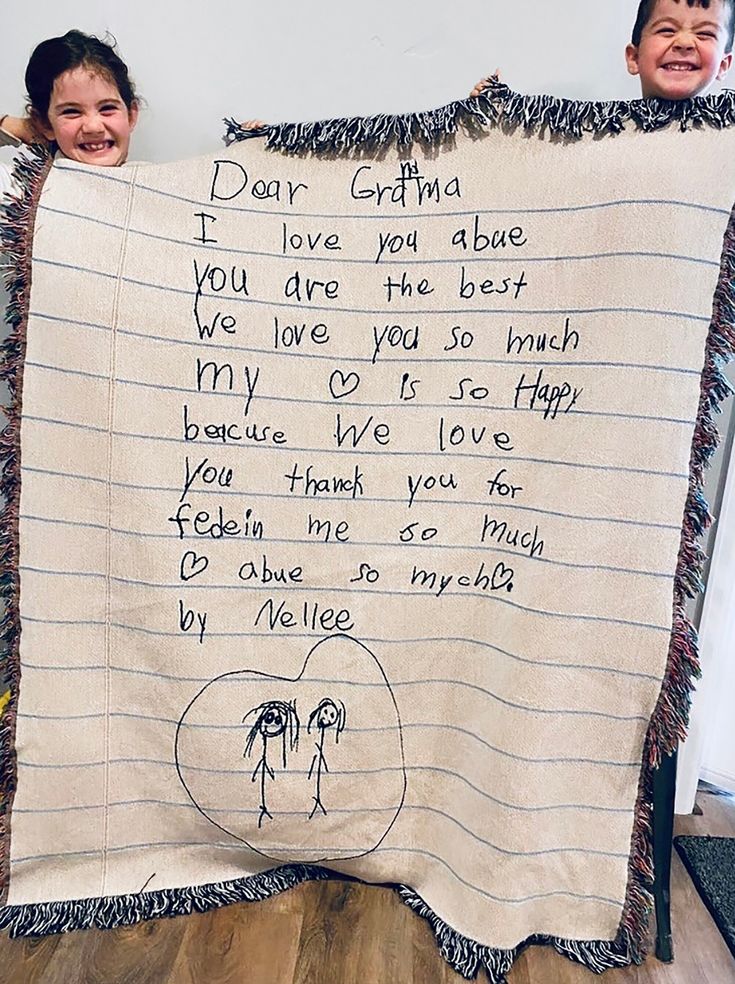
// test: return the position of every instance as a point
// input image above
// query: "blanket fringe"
(497, 105)
(463, 955)
(468, 957)
(111, 912)
(671, 717)
(16, 237)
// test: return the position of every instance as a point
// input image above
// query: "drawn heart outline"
(196, 565)
(343, 384)
(327, 642)
(502, 577)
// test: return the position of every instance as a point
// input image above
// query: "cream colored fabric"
(515, 700)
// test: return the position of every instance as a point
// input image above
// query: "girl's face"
(88, 118)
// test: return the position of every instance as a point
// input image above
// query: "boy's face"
(88, 118)
(682, 49)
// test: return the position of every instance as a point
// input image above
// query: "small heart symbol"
(342, 385)
(191, 565)
(502, 578)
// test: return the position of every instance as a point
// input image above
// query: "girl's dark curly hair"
(55, 56)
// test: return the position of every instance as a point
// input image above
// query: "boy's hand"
(484, 83)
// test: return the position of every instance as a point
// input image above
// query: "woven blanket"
(354, 482)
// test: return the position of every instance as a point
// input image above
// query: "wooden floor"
(338, 933)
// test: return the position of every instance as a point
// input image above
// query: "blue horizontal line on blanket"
(193, 538)
(265, 681)
(403, 727)
(516, 258)
(407, 807)
(345, 498)
(678, 370)
(592, 807)
(289, 448)
(399, 215)
(339, 590)
(382, 849)
(299, 400)
(384, 312)
(459, 640)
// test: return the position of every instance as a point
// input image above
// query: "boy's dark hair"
(646, 8)
(55, 56)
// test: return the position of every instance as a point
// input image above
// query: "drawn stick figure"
(329, 714)
(275, 719)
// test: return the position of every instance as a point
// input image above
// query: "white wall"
(288, 60)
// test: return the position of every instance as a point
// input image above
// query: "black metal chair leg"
(664, 788)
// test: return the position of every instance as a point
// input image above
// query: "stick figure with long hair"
(275, 719)
(328, 715)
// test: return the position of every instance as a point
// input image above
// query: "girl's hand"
(253, 125)
(23, 129)
(484, 83)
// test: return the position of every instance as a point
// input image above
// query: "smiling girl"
(81, 101)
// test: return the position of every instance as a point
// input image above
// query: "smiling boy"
(680, 48)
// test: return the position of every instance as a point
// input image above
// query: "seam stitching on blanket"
(108, 534)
